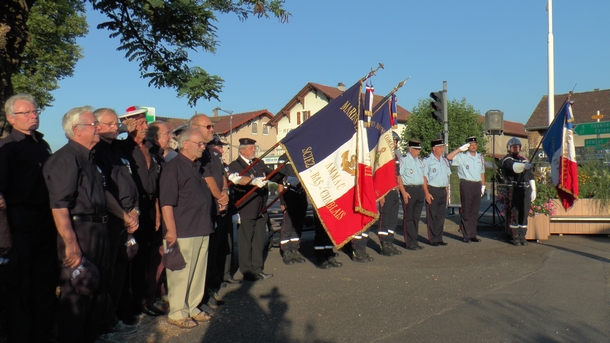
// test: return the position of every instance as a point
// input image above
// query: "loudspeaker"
(494, 122)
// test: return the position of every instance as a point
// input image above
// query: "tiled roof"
(222, 123)
(331, 93)
(585, 105)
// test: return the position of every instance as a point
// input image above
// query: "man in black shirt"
(78, 203)
(186, 202)
(251, 233)
(122, 193)
(25, 199)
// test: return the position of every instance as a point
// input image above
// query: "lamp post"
(230, 131)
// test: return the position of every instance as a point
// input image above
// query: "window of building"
(254, 128)
(305, 115)
(265, 129)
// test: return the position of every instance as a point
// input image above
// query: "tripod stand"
(493, 205)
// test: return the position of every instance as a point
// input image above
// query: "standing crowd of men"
(128, 226)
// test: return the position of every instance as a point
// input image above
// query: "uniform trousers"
(412, 214)
(79, 316)
(435, 214)
(519, 208)
(322, 244)
(33, 259)
(389, 216)
(251, 237)
(294, 217)
(185, 287)
(470, 195)
(219, 252)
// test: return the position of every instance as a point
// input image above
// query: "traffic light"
(437, 106)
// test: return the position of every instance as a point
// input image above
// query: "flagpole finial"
(372, 72)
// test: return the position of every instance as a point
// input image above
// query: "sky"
(492, 53)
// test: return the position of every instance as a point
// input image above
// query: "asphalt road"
(553, 291)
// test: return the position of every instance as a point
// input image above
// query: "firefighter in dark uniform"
(436, 182)
(411, 185)
(32, 249)
(122, 193)
(251, 234)
(389, 212)
(294, 206)
(521, 190)
(323, 247)
(471, 171)
(78, 202)
(146, 169)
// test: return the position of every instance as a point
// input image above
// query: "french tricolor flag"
(381, 148)
(558, 144)
(329, 153)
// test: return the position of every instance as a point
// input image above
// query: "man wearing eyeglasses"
(146, 168)
(29, 239)
(78, 202)
(185, 200)
(122, 198)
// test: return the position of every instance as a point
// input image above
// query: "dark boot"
(288, 257)
(323, 264)
(394, 250)
(296, 257)
(360, 255)
(386, 249)
(522, 236)
(334, 263)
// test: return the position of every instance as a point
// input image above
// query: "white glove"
(292, 181)
(464, 147)
(528, 166)
(235, 178)
(533, 187)
(482, 191)
(259, 182)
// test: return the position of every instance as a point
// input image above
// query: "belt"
(437, 187)
(90, 218)
(413, 185)
(470, 181)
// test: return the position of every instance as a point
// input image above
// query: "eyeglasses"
(199, 144)
(209, 127)
(94, 124)
(112, 124)
(27, 113)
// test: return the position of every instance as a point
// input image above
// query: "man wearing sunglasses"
(28, 240)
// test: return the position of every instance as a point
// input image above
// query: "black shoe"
(360, 255)
(466, 240)
(334, 263)
(394, 250)
(250, 277)
(231, 281)
(413, 248)
(152, 310)
(442, 243)
(323, 265)
(263, 276)
(287, 260)
(434, 244)
(476, 240)
(386, 249)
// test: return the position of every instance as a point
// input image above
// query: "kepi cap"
(414, 144)
(133, 112)
(85, 278)
(246, 141)
(437, 142)
(471, 139)
(172, 258)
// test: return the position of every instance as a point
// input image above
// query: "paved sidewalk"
(553, 291)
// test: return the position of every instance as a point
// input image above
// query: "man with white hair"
(30, 236)
(78, 203)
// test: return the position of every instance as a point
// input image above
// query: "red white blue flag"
(558, 144)
(328, 152)
(381, 148)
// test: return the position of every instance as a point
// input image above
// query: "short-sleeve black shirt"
(117, 171)
(182, 186)
(213, 167)
(21, 160)
(74, 181)
(146, 177)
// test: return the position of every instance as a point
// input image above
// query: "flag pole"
(274, 200)
(387, 97)
(256, 161)
(255, 187)
(372, 72)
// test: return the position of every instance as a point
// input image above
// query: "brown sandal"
(184, 323)
(201, 317)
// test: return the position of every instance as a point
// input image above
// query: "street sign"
(592, 128)
(597, 143)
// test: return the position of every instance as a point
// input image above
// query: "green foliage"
(463, 122)
(160, 34)
(52, 52)
(594, 180)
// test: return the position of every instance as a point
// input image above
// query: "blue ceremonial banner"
(325, 154)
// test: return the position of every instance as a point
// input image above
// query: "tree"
(157, 34)
(463, 122)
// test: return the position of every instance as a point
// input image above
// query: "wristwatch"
(137, 210)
